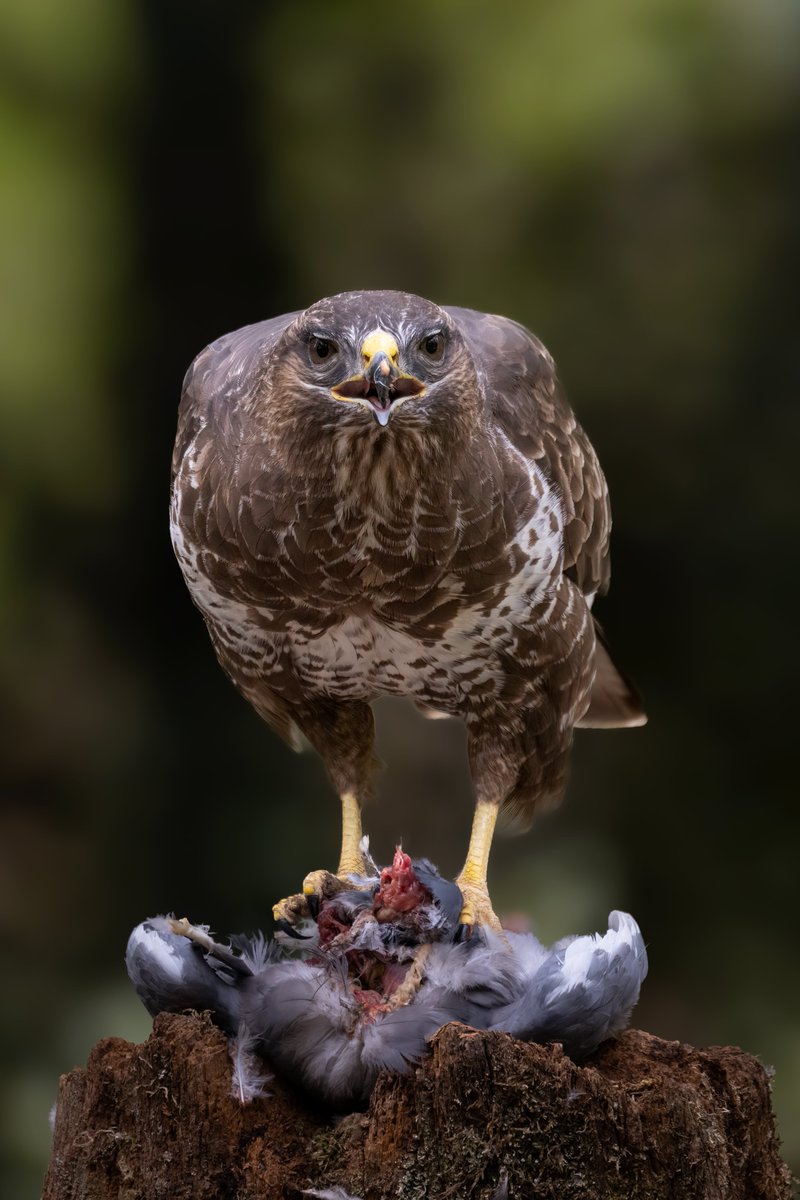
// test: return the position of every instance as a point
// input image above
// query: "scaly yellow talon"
(293, 909)
(319, 885)
(477, 907)
(322, 884)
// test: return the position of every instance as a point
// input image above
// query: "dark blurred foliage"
(623, 177)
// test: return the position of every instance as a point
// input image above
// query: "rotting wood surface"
(642, 1118)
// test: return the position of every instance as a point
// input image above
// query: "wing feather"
(223, 375)
(211, 505)
(526, 400)
(523, 394)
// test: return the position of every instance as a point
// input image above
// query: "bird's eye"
(432, 346)
(321, 350)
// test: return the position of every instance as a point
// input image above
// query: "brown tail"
(615, 702)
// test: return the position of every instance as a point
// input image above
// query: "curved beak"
(381, 374)
(381, 383)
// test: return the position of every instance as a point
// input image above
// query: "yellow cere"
(376, 341)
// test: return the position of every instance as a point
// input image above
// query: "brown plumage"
(381, 496)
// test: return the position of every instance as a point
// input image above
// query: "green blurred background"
(623, 177)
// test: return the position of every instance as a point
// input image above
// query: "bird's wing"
(525, 398)
(580, 992)
(210, 479)
(224, 374)
(523, 394)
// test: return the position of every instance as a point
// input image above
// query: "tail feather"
(615, 703)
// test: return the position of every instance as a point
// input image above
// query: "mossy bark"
(643, 1118)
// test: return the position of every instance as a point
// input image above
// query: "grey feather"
(334, 1193)
(581, 992)
(310, 1027)
(446, 894)
(170, 974)
(249, 1078)
(255, 951)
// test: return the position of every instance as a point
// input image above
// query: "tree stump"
(482, 1115)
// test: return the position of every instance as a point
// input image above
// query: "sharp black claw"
(463, 933)
(285, 927)
(313, 905)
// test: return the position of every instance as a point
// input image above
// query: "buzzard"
(381, 496)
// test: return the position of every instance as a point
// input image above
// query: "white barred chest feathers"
(435, 642)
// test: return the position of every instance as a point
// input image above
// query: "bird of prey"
(381, 496)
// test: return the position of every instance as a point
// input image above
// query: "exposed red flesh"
(372, 1005)
(374, 978)
(329, 925)
(400, 891)
(394, 974)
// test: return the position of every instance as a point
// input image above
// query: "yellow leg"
(322, 884)
(351, 860)
(477, 909)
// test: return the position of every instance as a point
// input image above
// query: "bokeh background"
(623, 177)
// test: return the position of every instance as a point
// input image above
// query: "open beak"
(381, 383)
(381, 375)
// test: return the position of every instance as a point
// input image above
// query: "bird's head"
(377, 363)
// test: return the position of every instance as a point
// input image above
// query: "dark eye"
(432, 346)
(321, 349)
